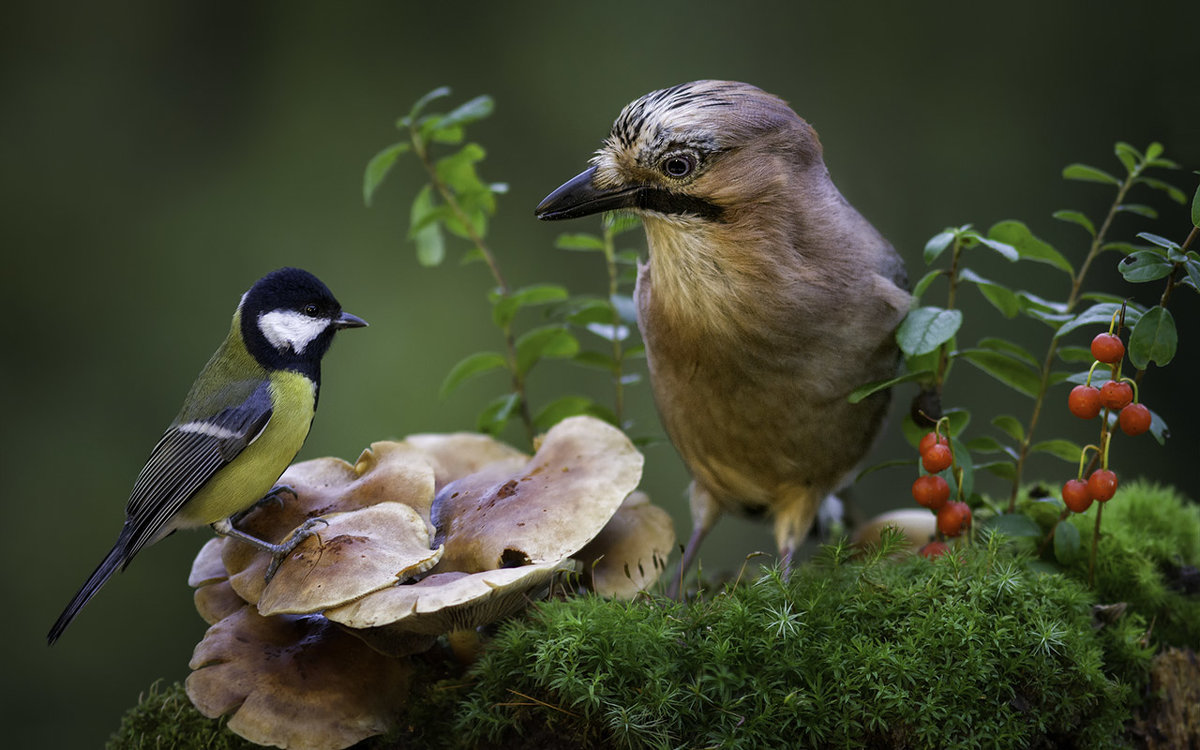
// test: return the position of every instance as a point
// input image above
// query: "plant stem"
(510, 344)
(1095, 544)
(1170, 287)
(952, 289)
(610, 258)
(1052, 350)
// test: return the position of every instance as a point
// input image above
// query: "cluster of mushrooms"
(431, 536)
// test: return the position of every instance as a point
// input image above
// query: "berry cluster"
(1087, 402)
(931, 490)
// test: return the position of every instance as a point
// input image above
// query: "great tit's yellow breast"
(254, 471)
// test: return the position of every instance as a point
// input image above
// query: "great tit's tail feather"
(116, 559)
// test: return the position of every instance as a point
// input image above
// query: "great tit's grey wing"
(186, 457)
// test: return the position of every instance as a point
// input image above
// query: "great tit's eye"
(679, 166)
(311, 310)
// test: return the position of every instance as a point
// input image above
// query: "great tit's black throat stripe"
(671, 203)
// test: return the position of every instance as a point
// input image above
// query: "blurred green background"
(159, 157)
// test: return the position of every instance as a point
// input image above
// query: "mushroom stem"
(466, 645)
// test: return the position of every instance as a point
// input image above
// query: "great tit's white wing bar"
(187, 456)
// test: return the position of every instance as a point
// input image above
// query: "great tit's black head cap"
(288, 319)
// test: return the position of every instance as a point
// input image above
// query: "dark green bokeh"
(159, 157)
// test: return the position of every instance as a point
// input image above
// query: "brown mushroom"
(916, 524)
(542, 511)
(295, 681)
(459, 454)
(630, 552)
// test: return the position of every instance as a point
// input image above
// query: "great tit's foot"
(275, 495)
(285, 548)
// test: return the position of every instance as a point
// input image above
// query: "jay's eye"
(679, 166)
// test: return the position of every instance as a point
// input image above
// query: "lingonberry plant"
(458, 202)
(929, 340)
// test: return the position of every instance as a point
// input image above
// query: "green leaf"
(1003, 469)
(986, 444)
(458, 169)
(420, 105)
(1153, 338)
(505, 307)
(597, 360)
(591, 311)
(1154, 150)
(570, 406)
(1145, 265)
(625, 307)
(1076, 217)
(1100, 314)
(546, 342)
(1129, 156)
(1076, 354)
(937, 245)
(1064, 449)
(1003, 248)
(496, 414)
(889, 464)
(618, 222)
(920, 287)
(1001, 297)
(431, 245)
(1158, 428)
(579, 241)
(380, 164)
(469, 367)
(1196, 207)
(1029, 247)
(1192, 266)
(468, 112)
(1010, 348)
(926, 328)
(861, 392)
(1172, 192)
(1010, 426)
(1066, 542)
(1014, 525)
(1140, 210)
(1089, 174)
(1162, 242)
(1012, 372)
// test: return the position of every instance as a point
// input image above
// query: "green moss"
(951, 653)
(164, 719)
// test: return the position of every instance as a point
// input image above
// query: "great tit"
(243, 421)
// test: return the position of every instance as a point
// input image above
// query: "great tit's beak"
(579, 197)
(347, 320)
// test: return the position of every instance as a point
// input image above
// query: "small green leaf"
(431, 245)
(458, 169)
(1003, 469)
(1076, 217)
(1012, 372)
(1066, 543)
(937, 245)
(1001, 297)
(926, 328)
(579, 241)
(1129, 156)
(570, 406)
(861, 392)
(920, 287)
(1162, 242)
(1089, 174)
(1010, 426)
(617, 222)
(1028, 246)
(546, 342)
(597, 360)
(1154, 150)
(986, 444)
(1140, 210)
(1196, 207)
(469, 367)
(1010, 348)
(1192, 266)
(1100, 314)
(468, 112)
(420, 105)
(496, 414)
(1076, 354)
(505, 307)
(1153, 338)
(1145, 265)
(1015, 525)
(889, 464)
(1003, 248)
(1172, 192)
(591, 311)
(380, 164)
(1064, 449)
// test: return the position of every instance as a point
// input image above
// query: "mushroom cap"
(917, 524)
(295, 681)
(457, 454)
(543, 511)
(217, 600)
(358, 552)
(208, 566)
(442, 602)
(630, 552)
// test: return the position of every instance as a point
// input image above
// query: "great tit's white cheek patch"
(290, 329)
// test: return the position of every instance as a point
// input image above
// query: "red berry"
(937, 458)
(931, 491)
(1084, 401)
(934, 549)
(931, 439)
(1116, 394)
(953, 518)
(1102, 484)
(1108, 348)
(1076, 495)
(1134, 419)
